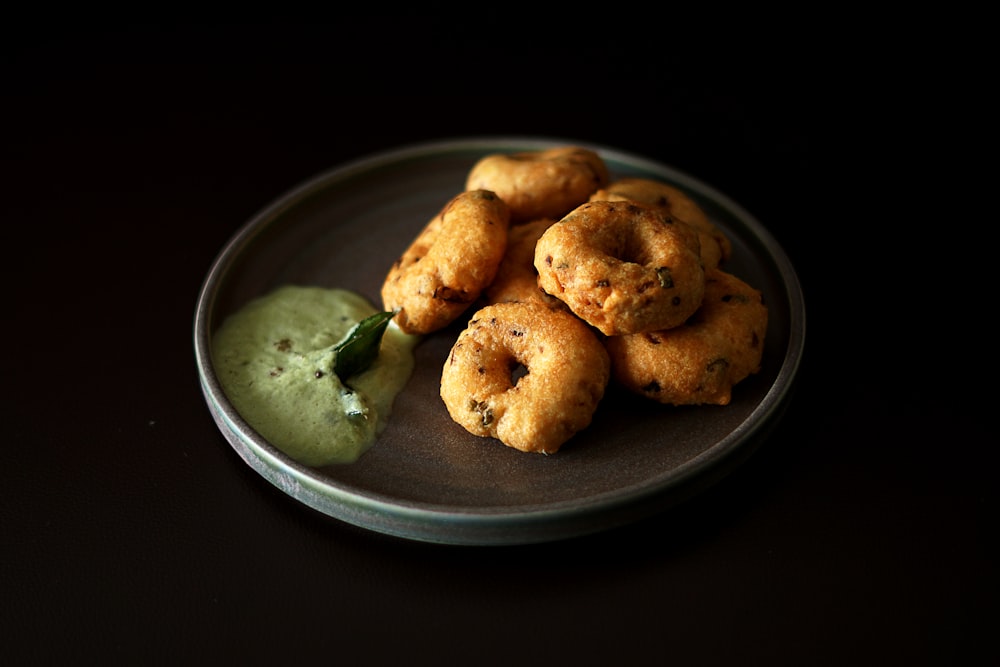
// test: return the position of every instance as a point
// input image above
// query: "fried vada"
(700, 362)
(622, 267)
(450, 262)
(525, 374)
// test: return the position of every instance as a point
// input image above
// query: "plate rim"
(506, 525)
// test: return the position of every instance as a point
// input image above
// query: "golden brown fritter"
(566, 372)
(701, 361)
(622, 267)
(540, 184)
(450, 262)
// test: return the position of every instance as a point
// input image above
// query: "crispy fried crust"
(622, 267)
(448, 265)
(540, 184)
(567, 372)
(517, 279)
(715, 245)
(701, 361)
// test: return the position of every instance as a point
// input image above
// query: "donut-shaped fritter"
(540, 184)
(715, 245)
(623, 267)
(517, 279)
(699, 362)
(566, 372)
(449, 264)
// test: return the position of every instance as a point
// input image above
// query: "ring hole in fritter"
(517, 371)
(635, 250)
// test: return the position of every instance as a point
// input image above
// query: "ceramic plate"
(426, 478)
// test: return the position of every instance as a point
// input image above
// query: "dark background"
(862, 532)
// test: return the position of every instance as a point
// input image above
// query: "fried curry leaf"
(360, 348)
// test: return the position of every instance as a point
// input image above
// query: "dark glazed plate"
(426, 478)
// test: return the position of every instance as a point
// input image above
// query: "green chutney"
(275, 357)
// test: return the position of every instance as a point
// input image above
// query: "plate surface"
(426, 478)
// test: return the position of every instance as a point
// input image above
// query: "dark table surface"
(862, 532)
